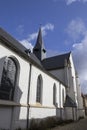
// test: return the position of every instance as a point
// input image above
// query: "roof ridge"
(58, 55)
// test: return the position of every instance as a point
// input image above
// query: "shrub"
(81, 117)
(19, 129)
(42, 124)
(4, 129)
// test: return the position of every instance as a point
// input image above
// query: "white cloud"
(48, 26)
(68, 2)
(76, 29)
(80, 56)
(32, 36)
(27, 44)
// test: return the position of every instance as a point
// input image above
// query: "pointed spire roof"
(39, 38)
(39, 42)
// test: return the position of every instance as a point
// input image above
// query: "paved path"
(80, 125)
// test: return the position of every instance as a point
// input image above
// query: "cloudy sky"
(63, 22)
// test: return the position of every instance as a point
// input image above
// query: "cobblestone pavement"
(80, 125)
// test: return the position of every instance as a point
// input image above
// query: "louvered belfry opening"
(8, 79)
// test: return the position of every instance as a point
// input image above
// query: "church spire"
(39, 49)
(39, 38)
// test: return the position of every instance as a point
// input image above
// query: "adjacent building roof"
(69, 102)
(56, 62)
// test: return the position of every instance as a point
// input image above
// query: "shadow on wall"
(15, 118)
(60, 112)
(10, 111)
(18, 94)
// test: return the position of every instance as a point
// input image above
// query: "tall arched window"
(54, 94)
(8, 79)
(39, 89)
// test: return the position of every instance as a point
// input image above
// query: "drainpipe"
(73, 113)
(60, 100)
(28, 106)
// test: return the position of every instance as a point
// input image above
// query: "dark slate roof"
(56, 62)
(69, 102)
(39, 39)
(11, 41)
(39, 43)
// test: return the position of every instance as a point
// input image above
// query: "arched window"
(8, 79)
(54, 94)
(39, 89)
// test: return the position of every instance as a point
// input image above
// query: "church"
(33, 86)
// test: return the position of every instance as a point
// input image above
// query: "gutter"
(28, 107)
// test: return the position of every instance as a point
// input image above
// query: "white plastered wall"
(46, 107)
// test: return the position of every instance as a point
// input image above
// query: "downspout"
(28, 106)
(73, 113)
(60, 100)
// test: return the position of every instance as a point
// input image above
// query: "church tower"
(39, 49)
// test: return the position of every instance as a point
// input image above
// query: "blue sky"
(64, 27)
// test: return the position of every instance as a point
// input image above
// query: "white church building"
(35, 87)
